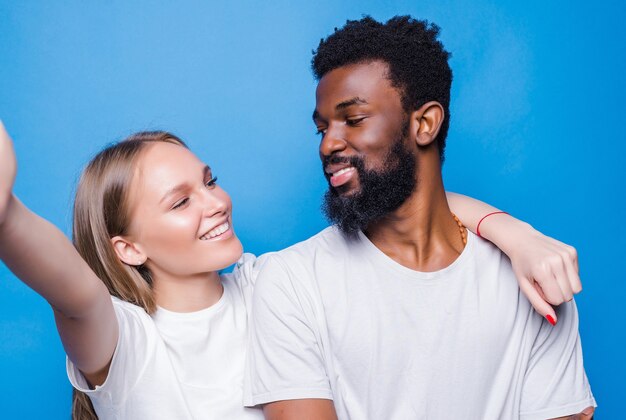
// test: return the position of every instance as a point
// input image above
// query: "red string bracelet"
(484, 217)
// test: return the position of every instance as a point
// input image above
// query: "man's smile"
(342, 176)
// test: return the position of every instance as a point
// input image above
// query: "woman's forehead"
(164, 165)
(160, 156)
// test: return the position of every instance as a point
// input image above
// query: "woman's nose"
(214, 201)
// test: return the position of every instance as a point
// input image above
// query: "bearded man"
(396, 312)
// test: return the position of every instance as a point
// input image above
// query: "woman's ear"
(128, 252)
(425, 123)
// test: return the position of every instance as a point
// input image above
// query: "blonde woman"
(150, 328)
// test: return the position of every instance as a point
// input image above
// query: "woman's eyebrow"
(180, 187)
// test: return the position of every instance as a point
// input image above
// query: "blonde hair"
(101, 211)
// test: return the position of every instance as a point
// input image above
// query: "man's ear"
(128, 252)
(425, 123)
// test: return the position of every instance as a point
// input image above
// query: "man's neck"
(422, 234)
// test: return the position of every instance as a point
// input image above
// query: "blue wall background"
(536, 107)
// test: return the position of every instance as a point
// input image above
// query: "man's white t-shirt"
(179, 365)
(337, 319)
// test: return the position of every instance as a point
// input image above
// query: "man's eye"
(211, 182)
(320, 131)
(354, 121)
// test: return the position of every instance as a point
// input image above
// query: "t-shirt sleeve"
(285, 358)
(246, 270)
(130, 357)
(555, 383)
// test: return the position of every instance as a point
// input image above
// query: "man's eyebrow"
(343, 105)
(182, 187)
(352, 101)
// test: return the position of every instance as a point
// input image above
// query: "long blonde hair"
(101, 211)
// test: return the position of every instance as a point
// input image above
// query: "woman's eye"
(180, 203)
(320, 131)
(211, 182)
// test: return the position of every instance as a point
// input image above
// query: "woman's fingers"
(544, 276)
(572, 269)
(538, 301)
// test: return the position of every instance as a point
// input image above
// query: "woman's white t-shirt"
(179, 365)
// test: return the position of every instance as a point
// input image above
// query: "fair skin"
(174, 203)
(184, 236)
(358, 112)
(181, 229)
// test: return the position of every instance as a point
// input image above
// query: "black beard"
(380, 194)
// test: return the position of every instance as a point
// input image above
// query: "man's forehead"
(359, 83)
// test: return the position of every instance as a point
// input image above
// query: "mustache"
(356, 161)
(380, 192)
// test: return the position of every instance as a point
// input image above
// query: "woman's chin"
(231, 255)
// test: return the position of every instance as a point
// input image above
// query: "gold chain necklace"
(461, 229)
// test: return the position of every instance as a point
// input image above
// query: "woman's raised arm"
(546, 269)
(42, 257)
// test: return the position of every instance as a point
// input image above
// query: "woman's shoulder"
(247, 269)
(130, 311)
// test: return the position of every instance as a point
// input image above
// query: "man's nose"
(333, 141)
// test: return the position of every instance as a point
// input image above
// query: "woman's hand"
(8, 167)
(546, 269)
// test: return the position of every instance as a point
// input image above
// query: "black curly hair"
(417, 60)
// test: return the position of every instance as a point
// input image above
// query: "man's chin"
(346, 190)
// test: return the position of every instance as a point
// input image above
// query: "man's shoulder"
(300, 262)
(326, 242)
(483, 250)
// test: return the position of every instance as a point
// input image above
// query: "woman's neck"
(188, 294)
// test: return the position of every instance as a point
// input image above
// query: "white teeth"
(215, 232)
(343, 171)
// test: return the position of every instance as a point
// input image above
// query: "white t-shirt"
(179, 365)
(338, 319)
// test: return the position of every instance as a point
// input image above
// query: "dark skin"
(421, 234)
(358, 113)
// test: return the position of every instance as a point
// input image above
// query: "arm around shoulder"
(546, 269)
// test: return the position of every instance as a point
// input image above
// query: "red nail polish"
(551, 320)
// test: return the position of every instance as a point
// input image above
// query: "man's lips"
(342, 176)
